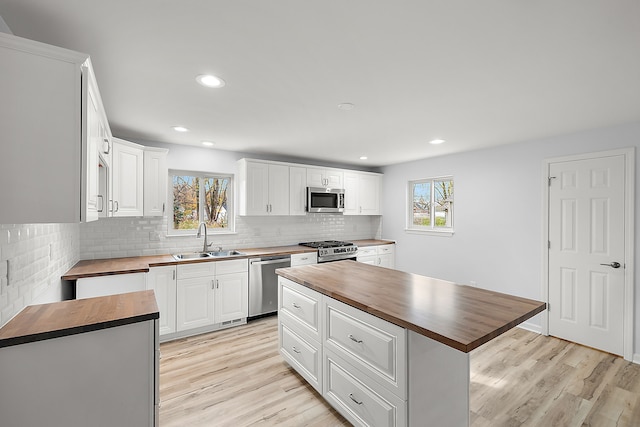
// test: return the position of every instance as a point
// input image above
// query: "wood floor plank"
(237, 378)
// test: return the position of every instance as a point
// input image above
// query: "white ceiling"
(476, 73)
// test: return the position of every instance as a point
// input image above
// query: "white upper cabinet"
(156, 176)
(128, 178)
(297, 191)
(330, 178)
(49, 159)
(362, 193)
(263, 188)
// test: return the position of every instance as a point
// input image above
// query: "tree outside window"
(200, 198)
(431, 204)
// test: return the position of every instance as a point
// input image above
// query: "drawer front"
(232, 266)
(302, 304)
(386, 249)
(304, 356)
(367, 251)
(353, 395)
(200, 269)
(304, 259)
(370, 343)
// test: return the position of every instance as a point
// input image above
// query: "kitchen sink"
(224, 253)
(200, 255)
(191, 255)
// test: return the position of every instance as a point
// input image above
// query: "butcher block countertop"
(141, 264)
(59, 319)
(460, 316)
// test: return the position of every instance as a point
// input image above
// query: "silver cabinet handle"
(304, 259)
(354, 339)
(117, 205)
(295, 350)
(101, 203)
(296, 305)
(163, 207)
(354, 399)
(613, 265)
(213, 284)
(217, 284)
(174, 274)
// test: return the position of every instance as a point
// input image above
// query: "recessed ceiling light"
(436, 141)
(363, 157)
(210, 80)
(346, 106)
(208, 143)
(180, 129)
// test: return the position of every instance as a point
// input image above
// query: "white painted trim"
(636, 358)
(531, 327)
(629, 294)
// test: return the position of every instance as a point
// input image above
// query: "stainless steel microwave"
(325, 200)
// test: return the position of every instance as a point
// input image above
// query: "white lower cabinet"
(381, 255)
(304, 258)
(99, 286)
(231, 298)
(194, 303)
(162, 280)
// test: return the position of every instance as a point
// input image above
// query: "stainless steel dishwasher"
(263, 283)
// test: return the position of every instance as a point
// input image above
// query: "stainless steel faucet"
(206, 243)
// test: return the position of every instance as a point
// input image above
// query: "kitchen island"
(388, 348)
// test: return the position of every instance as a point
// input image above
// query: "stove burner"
(326, 244)
(333, 250)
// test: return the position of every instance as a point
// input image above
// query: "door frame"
(629, 216)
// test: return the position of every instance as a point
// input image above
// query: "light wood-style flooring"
(236, 377)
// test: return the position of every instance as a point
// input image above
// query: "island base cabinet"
(361, 401)
(102, 378)
(438, 383)
(305, 356)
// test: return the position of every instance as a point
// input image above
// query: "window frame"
(430, 229)
(230, 229)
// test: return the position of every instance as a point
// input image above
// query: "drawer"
(353, 395)
(373, 345)
(200, 269)
(367, 251)
(304, 356)
(302, 305)
(304, 259)
(386, 249)
(232, 266)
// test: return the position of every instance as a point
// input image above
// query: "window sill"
(441, 233)
(209, 234)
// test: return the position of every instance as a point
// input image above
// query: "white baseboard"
(531, 327)
(636, 358)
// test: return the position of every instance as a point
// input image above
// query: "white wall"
(498, 212)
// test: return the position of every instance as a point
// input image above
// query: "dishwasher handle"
(272, 261)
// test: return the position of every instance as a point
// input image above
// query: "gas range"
(333, 250)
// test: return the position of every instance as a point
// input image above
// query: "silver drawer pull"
(354, 339)
(295, 305)
(354, 399)
(295, 350)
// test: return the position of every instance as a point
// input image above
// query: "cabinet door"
(93, 142)
(278, 190)
(334, 178)
(351, 202)
(194, 303)
(231, 298)
(155, 182)
(128, 163)
(257, 188)
(315, 177)
(297, 191)
(369, 194)
(162, 280)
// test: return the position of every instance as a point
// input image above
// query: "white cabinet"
(211, 293)
(155, 181)
(263, 188)
(381, 255)
(362, 193)
(162, 280)
(128, 178)
(297, 190)
(98, 286)
(304, 258)
(46, 150)
(330, 178)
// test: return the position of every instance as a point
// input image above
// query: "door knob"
(613, 265)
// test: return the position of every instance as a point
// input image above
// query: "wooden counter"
(459, 316)
(59, 319)
(141, 264)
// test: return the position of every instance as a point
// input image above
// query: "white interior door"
(586, 244)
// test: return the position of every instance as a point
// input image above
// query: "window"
(431, 205)
(199, 197)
